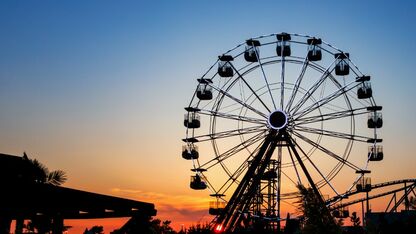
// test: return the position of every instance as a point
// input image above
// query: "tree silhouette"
(160, 227)
(166, 228)
(41, 174)
(356, 224)
(355, 220)
(199, 229)
(316, 217)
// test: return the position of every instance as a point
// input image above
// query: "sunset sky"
(97, 88)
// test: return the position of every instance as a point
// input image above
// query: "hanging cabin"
(216, 207)
(197, 183)
(190, 151)
(364, 184)
(375, 153)
(375, 120)
(364, 90)
(204, 90)
(252, 54)
(314, 49)
(283, 45)
(225, 68)
(192, 120)
(342, 67)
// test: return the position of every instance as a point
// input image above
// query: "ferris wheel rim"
(297, 118)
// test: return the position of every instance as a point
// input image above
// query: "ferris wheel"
(275, 112)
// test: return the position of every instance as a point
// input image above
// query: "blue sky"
(90, 85)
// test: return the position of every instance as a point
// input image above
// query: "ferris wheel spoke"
(331, 116)
(295, 167)
(295, 195)
(328, 152)
(232, 117)
(316, 168)
(227, 109)
(234, 150)
(230, 133)
(313, 88)
(228, 154)
(282, 84)
(210, 186)
(265, 78)
(341, 91)
(251, 89)
(288, 177)
(233, 179)
(297, 84)
(225, 93)
(335, 134)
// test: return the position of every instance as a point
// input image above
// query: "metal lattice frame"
(399, 190)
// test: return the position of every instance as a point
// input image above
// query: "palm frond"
(56, 177)
(40, 171)
(41, 174)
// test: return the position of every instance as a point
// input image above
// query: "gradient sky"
(97, 88)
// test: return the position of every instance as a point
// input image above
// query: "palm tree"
(40, 174)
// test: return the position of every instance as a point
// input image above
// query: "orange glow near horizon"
(187, 210)
(79, 225)
(184, 218)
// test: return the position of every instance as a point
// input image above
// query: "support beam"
(230, 209)
(305, 171)
(363, 214)
(250, 194)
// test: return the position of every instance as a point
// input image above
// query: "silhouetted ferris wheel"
(274, 112)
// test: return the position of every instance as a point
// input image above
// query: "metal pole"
(406, 199)
(395, 202)
(362, 212)
(279, 175)
(308, 176)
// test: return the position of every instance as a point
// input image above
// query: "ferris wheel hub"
(277, 120)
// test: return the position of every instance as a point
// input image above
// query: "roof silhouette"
(24, 198)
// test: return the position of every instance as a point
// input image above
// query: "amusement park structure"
(275, 112)
(49, 205)
(397, 193)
